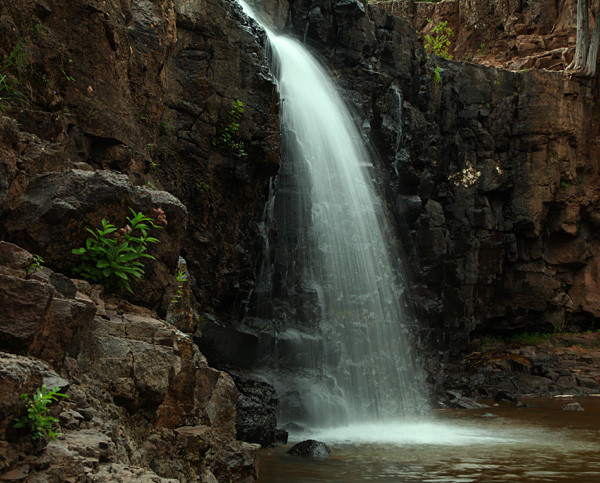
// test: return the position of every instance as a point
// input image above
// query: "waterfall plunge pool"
(536, 443)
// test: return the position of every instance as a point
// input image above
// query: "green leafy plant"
(67, 76)
(437, 77)
(40, 29)
(8, 92)
(482, 51)
(203, 186)
(17, 57)
(438, 42)
(166, 126)
(38, 421)
(36, 264)
(113, 257)
(181, 278)
(227, 138)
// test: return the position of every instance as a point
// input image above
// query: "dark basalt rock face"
(510, 244)
(217, 60)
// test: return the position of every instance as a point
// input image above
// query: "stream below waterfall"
(536, 443)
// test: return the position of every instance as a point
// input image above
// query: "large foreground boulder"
(143, 404)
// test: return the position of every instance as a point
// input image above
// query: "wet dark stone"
(281, 436)
(468, 403)
(293, 428)
(575, 406)
(310, 447)
(504, 396)
(255, 412)
(63, 284)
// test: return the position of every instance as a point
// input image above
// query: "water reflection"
(541, 443)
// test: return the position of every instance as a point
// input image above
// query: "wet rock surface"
(562, 364)
(145, 95)
(310, 448)
(108, 121)
(256, 408)
(573, 407)
(487, 172)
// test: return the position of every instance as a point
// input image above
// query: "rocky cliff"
(106, 106)
(144, 89)
(502, 33)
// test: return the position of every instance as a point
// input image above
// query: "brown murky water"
(541, 443)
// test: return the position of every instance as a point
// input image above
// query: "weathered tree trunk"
(592, 56)
(583, 36)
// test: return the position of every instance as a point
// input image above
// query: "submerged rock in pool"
(575, 406)
(310, 447)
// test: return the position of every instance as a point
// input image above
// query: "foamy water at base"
(541, 443)
(407, 433)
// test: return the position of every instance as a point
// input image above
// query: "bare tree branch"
(583, 36)
(592, 56)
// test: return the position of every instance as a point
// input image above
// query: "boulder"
(132, 379)
(310, 447)
(575, 406)
(24, 308)
(457, 400)
(255, 412)
(504, 396)
(51, 218)
(145, 364)
(13, 257)
(42, 313)
(18, 375)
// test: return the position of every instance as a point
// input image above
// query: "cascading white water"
(350, 358)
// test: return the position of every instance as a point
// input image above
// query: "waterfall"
(340, 349)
